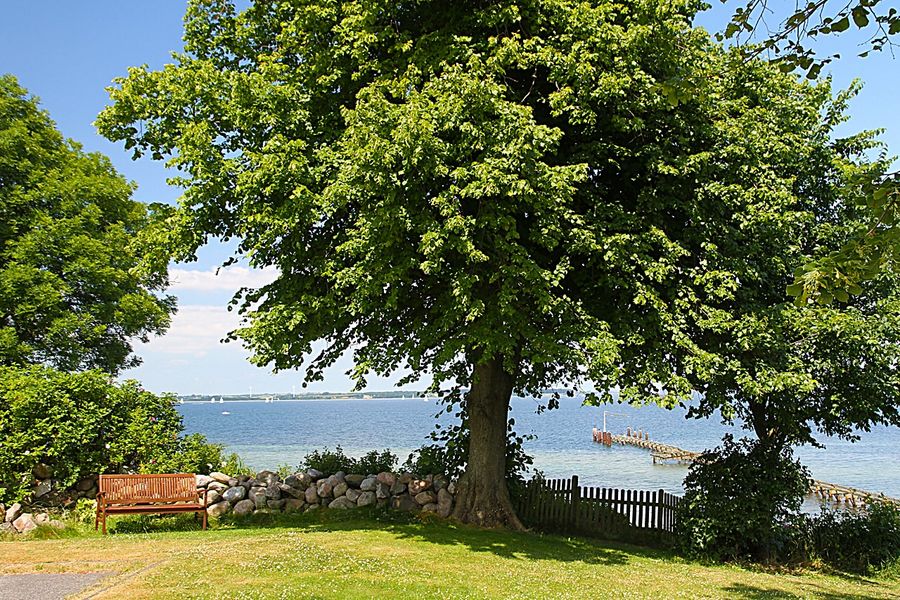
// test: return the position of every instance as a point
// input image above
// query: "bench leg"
(204, 520)
(104, 522)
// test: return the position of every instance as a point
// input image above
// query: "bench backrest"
(141, 489)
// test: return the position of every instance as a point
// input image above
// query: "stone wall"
(311, 490)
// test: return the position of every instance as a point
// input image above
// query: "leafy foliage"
(859, 542)
(805, 22)
(743, 500)
(81, 424)
(69, 294)
(331, 461)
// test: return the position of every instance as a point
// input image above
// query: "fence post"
(576, 498)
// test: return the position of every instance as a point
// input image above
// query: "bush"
(81, 424)
(330, 462)
(742, 501)
(862, 542)
(431, 459)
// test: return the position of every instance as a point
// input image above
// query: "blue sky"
(67, 52)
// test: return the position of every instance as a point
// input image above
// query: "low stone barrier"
(312, 490)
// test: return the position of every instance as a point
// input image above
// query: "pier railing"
(564, 506)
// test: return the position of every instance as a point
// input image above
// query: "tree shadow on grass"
(503, 543)
(753, 592)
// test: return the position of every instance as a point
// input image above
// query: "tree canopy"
(69, 293)
(513, 195)
(791, 37)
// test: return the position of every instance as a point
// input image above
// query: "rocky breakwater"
(312, 490)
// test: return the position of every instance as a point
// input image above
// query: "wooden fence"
(563, 506)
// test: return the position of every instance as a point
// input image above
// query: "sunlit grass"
(387, 555)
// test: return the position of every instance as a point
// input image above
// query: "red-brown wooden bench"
(142, 494)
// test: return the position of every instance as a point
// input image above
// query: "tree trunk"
(483, 497)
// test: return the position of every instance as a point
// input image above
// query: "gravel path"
(45, 586)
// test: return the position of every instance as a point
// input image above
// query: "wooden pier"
(830, 492)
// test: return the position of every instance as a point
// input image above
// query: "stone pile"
(312, 490)
(16, 520)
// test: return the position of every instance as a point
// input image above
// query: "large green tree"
(69, 292)
(509, 196)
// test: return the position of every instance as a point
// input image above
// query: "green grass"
(368, 554)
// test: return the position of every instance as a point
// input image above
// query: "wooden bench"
(142, 494)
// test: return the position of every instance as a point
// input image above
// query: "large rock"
(268, 477)
(431, 507)
(220, 477)
(43, 488)
(258, 495)
(42, 471)
(42, 519)
(387, 479)
(202, 482)
(352, 494)
(233, 482)
(382, 491)
(451, 487)
(340, 489)
(290, 492)
(353, 480)
(445, 502)
(275, 504)
(7, 528)
(292, 505)
(218, 509)
(244, 508)
(439, 482)
(315, 474)
(405, 478)
(324, 489)
(216, 485)
(24, 523)
(12, 513)
(88, 482)
(337, 478)
(213, 496)
(300, 481)
(423, 498)
(368, 484)
(343, 502)
(404, 502)
(398, 488)
(311, 495)
(366, 499)
(273, 492)
(235, 494)
(417, 486)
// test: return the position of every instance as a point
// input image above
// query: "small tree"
(510, 195)
(69, 294)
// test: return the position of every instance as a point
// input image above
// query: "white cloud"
(196, 330)
(228, 279)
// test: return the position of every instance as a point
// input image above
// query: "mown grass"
(369, 554)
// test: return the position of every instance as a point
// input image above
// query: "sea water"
(270, 434)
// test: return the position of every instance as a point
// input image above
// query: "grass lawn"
(367, 555)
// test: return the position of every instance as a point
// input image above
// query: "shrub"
(331, 461)
(430, 459)
(743, 501)
(376, 462)
(858, 541)
(82, 423)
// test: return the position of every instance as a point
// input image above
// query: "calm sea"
(267, 435)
